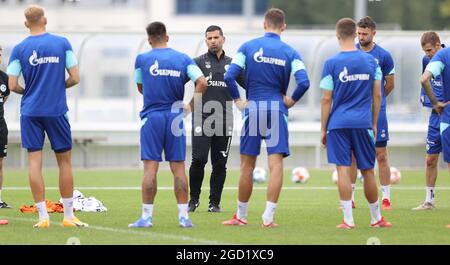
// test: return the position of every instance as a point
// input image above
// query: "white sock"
(269, 212)
(147, 211)
(42, 210)
(375, 212)
(183, 211)
(242, 210)
(68, 207)
(348, 212)
(430, 195)
(386, 192)
(353, 191)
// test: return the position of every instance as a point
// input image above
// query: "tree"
(390, 14)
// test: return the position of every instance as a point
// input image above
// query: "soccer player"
(160, 77)
(212, 130)
(4, 93)
(268, 64)
(440, 66)
(350, 107)
(431, 44)
(43, 59)
(366, 33)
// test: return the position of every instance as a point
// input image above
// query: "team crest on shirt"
(34, 60)
(155, 71)
(259, 58)
(3, 88)
(344, 77)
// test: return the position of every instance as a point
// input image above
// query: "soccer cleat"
(193, 204)
(381, 224)
(270, 225)
(4, 205)
(185, 223)
(235, 221)
(43, 223)
(74, 222)
(214, 208)
(386, 205)
(344, 225)
(3, 222)
(424, 206)
(142, 223)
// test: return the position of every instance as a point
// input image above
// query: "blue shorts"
(33, 131)
(342, 142)
(163, 131)
(270, 126)
(434, 144)
(445, 134)
(382, 130)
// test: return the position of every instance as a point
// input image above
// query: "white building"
(134, 15)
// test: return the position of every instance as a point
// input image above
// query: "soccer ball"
(395, 176)
(300, 175)
(360, 177)
(259, 175)
(334, 177)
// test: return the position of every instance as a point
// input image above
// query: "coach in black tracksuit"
(212, 126)
(4, 93)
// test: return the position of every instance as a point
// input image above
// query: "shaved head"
(34, 14)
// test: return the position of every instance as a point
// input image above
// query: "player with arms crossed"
(366, 33)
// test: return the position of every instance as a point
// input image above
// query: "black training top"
(4, 91)
(214, 69)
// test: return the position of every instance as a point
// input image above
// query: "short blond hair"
(34, 13)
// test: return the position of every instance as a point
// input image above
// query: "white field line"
(225, 188)
(130, 231)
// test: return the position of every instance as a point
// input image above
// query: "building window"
(115, 86)
(209, 7)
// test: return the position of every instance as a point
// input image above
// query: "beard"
(365, 43)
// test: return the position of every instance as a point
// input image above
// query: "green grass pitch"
(307, 213)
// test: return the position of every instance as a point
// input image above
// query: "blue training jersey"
(386, 63)
(163, 74)
(43, 60)
(436, 84)
(440, 66)
(268, 63)
(350, 76)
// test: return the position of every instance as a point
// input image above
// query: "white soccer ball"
(300, 175)
(259, 175)
(395, 176)
(334, 177)
(360, 177)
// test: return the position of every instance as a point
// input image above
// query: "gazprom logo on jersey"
(344, 77)
(34, 60)
(436, 83)
(259, 58)
(155, 71)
